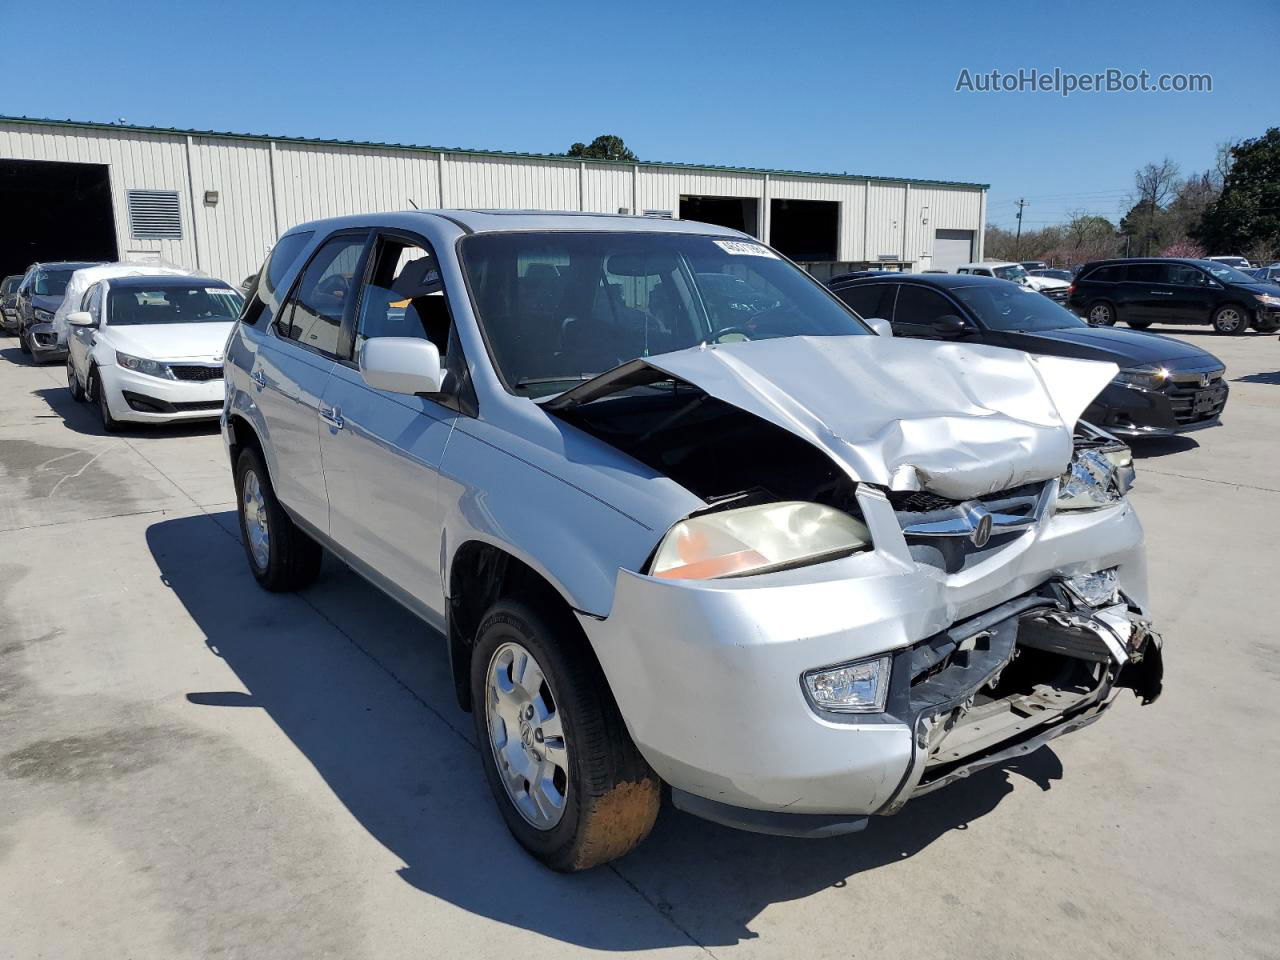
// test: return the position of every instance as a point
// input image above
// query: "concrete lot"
(192, 767)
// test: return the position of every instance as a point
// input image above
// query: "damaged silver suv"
(684, 518)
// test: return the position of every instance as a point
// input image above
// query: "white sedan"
(149, 349)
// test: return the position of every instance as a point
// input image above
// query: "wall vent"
(155, 215)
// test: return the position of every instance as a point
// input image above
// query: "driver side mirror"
(405, 365)
(949, 325)
(81, 318)
(883, 328)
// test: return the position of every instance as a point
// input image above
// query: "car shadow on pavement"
(1149, 448)
(83, 418)
(362, 689)
(1272, 378)
(14, 354)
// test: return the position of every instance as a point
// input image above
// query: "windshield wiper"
(535, 381)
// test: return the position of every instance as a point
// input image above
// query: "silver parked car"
(684, 518)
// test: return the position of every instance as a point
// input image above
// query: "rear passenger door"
(382, 451)
(292, 370)
(1146, 293)
(870, 300)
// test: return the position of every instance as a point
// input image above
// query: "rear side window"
(313, 317)
(869, 300)
(1186, 276)
(919, 306)
(1148, 273)
(1111, 274)
(265, 283)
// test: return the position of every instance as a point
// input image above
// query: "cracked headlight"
(860, 686)
(1096, 477)
(1150, 376)
(770, 536)
(152, 368)
(43, 316)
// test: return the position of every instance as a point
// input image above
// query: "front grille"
(196, 372)
(954, 553)
(1193, 402)
(1057, 295)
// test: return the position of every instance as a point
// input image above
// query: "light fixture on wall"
(211, 198)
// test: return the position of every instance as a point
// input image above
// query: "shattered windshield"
(560, 307)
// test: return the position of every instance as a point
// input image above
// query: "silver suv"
(684, 518)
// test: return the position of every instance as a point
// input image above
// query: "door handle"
(259, 378)
(332, 417)
(1163, 293)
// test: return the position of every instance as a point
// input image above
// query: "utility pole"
(1017, 240)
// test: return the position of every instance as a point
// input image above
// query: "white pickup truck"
(1055, 290)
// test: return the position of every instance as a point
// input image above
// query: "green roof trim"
(463, 151)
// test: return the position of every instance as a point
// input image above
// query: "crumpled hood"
(1046, 283)
(960, 420)
(171, 341)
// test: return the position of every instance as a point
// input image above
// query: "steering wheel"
(730, 331)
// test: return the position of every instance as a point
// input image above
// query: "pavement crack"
(1224, 483)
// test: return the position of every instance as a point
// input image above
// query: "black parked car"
(1143, 292)
(1164, 386)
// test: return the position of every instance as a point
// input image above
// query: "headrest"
(640, 265)
(418, 278)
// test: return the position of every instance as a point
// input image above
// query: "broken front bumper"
(708, 674)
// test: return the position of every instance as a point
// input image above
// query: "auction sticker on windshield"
(744, 248)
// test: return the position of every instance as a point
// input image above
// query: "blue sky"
(839, 87)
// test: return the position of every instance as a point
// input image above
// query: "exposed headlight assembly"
(860, 686)
(758, 539)
(152, 368)
(43, 316)
(1096, 477)
(1152, 377)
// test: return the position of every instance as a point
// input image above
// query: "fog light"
(857, 687)
(1095, 589)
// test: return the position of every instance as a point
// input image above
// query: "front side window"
(1225, 273)
(404, 296)
(92, 300)
(51, 283)
(313, 317)
(558, 308)
(163, 303)
(1014, 309)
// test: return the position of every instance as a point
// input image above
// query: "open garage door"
(54, 211)
(951, 249)
(736, 213)
(807, 231)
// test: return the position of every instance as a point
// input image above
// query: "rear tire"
(601, 798)
(281, 556)
(1230, 320)
(1102, 314)
(99, 393)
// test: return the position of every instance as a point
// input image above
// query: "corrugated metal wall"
(264, 187)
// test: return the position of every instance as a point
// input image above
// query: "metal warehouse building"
(217, 201)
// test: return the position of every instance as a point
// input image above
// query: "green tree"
(1247, 214)
(604, 147)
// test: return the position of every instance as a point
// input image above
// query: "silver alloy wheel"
(1100, 313)
(1229, 319)
(256, 527)
(526, 735)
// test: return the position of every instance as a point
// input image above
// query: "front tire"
(1230, 320)
(73, 383)
(569, 782)
(1102, 314)
(109, 423)
(22, 340)
(1138, 324)
(281, 556)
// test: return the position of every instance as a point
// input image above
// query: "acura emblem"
(979, 518)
